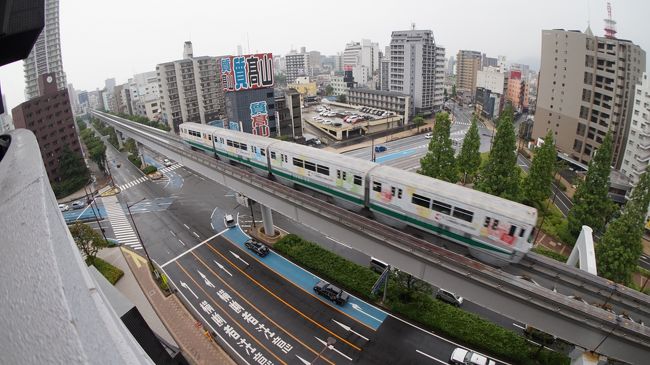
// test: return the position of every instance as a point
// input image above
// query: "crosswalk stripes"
(133, 183)
(121, 226)
(170, 168)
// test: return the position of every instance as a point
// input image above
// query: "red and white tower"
(610, 24)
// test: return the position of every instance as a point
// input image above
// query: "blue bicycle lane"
(87, 213)
(356, 308)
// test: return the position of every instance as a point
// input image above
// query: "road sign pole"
(383, 299)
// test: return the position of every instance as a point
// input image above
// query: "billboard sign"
(260, 118)
(247, 72)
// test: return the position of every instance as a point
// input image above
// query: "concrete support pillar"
(120, 139)
(140, 154)
(267, 220)
(581, 356)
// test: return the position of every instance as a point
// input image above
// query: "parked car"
(380, 148)
(428, 135)
(463, 357)
(63, 207)
(257, 247)
(78, 204)
(449, 297)
(229, 221)
(331, 292)
(167, 162)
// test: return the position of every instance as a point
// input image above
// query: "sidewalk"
(180, 324)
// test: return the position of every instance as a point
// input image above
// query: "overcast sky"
(117, 38)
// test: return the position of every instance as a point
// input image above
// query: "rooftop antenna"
(412, 26)
(610, 24)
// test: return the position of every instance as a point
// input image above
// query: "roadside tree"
(439, 162)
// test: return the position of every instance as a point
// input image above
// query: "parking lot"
(340, 122)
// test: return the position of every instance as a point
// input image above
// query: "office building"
(384, 73)
(439, 85)
(413, 62)
(492, 79)
(586, 88)
(451, 65)
(50, 118)
(297, 64)
(248, 82)
(45, 57)
(363, 58)
(339, 85)
(487, 104)
(467, 65)
(145, 95)
(190, 90)
(385, 100)
(517, 91)
(637, 149)
(289, 114)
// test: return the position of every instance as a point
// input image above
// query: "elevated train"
(495, 230)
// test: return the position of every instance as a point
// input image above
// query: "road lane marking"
(227, 313)
(430, 357)
(222, 267)
(173, 234)
(204, 320)
(194, 233)
(333, 349)
(182, 243)
(308, 318)
(192, 249)
(186, 226)
(239, 258)
(519, 326)
(262, 313)
(349, 329)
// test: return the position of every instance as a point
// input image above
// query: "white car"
(428, 135)
(229, 221)
(167, 162)
(63, 207)
(463, 357)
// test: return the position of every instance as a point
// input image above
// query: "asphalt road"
(176, 217)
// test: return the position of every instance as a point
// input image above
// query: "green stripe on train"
(438, 230)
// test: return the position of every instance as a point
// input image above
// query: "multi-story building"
(492, 79)
(467, 65)
(451, 65)
(439, 86)
(289, 114)
(363, 58)
(385, 100)
(517, 91)
(413, 62)
(339, 85)
(637, 149)
(298, 64)
(487, 104)
(145, 95)
(45, 57)
(49, 116)
(190, 90)
(586, 88)
(384, 73)
(314, 62)
(6, 123)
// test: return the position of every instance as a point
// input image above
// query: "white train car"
(495, 230)
(340, 177)
(231, 146)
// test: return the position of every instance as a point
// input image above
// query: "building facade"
(339, 85)
(413, 62)
(586, 88)
(145, 95)
(190, 90)
(468, 63)
(45, 57)
(517, 91)
(384, 73)
(6, 122)
(50, 118)
(491, 79)
(289, 114)
(297, 64)
(637, 149)
(385, 100)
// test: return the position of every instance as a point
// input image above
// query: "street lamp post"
(329, 345)
(128, 207)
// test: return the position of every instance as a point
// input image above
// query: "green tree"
(469, 159)
(536, 187)
(130, 146)
(329, 90)
(418, 121)
(591, 205)
(88, 240)
(342, 98)
(439, 162)
(620, 248)
(453, 91)
(74, 174)
(409, 287)
(500, 175)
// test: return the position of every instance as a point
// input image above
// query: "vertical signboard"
(247, 72)
(260, 118)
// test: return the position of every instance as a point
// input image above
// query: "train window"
(513, 230)
(254, 149)
(235, 144)
(229, 142)
(298, 162)
(392, 190)
(221, 140)
(421, 201)
(338, 174)
(441, 207)
(357, 180)
(323, 170)
(521, 232)
(495, 224)
(463, 214)
(262, 152)
(376, 186)
(532, 235)
(210, 137)
(487, 222)
(273, 156)
(399, 193)
(243, 146)
(310, 166)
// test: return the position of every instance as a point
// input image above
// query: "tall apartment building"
(49, 116)
(384, 73)
(190, 89)
(468, 63)
(363, 58)
(586, 87)
(45, 57)
(413, 62)
(439, 87)
(637, 150)
(145, 95)
(297, 64)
